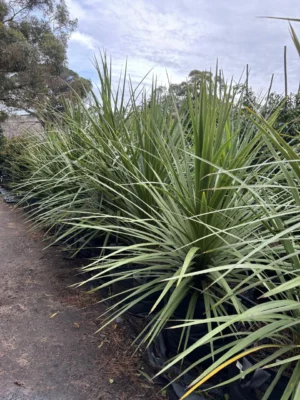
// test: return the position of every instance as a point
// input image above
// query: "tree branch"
(14, 15)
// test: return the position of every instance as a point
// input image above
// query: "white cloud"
(84, 40)
(76, 10)
(181, 35)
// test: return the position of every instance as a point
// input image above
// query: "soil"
(48, 346)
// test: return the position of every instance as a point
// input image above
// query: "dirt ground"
(48, 346)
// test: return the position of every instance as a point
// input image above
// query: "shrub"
(202, 208)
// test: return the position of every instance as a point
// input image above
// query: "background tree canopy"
(33, 55)
(288, 115)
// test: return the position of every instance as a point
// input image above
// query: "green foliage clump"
(12, 168)
(33, 55)
(201, 207)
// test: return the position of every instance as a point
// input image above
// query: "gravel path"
(48, 346)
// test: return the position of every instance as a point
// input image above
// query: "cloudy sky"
(182, 35)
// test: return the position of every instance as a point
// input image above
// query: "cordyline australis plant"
(272, 326)
(203, 212)
(279, 317)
